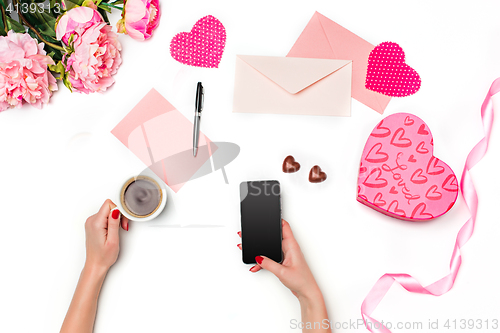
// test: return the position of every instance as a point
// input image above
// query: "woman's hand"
(102, 236)
(103, 245)
(294, 272)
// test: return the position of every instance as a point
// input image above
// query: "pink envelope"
(325, 39)
(162, 138)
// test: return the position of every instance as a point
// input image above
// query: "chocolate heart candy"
(289, 165)
(316, 175)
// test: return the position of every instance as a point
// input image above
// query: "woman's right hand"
(102, 236)
(294, 272)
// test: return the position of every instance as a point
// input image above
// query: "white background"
(59, 164)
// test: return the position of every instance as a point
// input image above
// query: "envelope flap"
(294, 74)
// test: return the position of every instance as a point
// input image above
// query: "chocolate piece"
(316, 175)
(289, 165)
(142, 197)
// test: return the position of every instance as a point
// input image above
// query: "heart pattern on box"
(399, 175)
(202, 46)
(388, 73)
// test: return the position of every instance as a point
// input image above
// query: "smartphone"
(261, 220)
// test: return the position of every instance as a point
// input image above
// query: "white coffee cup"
(128, 213)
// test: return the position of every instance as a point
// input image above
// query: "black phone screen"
(261, 220)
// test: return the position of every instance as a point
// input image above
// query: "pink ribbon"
(468, 191)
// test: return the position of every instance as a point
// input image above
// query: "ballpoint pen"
(197, 117)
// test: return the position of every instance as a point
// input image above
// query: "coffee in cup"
(141, 196)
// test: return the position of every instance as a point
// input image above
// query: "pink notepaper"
(162, 138)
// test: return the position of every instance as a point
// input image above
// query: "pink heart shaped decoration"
(202, 46)
(388, 73)
(399, 176)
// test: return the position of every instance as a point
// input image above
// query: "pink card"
(399, 175)
(162, 138)
(322, 38)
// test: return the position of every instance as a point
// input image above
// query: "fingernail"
(239, 233)
(259, 259)
(252, 268)
(115, 214)
(126, 227)
(239, 246)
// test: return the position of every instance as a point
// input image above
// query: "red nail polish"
(238, 245)
(251, 269)
(239, 233)
(127, 227)
(115, 214)
(259, 259)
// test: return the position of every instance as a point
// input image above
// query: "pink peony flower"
(77, 20)
(139, 18)
(95, 55)
(23, 72)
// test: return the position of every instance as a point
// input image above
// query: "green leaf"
(3, 18)
(68, 84)
(63, 74)
(104, 14)
(56, 7)
(43, 22)
(107, 6)
(32, 34)
(14, 25)
(103, 7)
(57, 55)
(59, 68)
(53, 53)
(72, 3)
(51, 39)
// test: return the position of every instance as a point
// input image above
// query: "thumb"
(114, 225)
(269, 265)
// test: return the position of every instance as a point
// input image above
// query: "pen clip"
(202, 98)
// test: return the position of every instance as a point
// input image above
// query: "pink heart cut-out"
(399, 178)
(388, 73)
(202, 46)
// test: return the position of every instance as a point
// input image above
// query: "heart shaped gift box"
(399, 176)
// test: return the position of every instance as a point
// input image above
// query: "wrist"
(311, 296)
(94, 271)
(313, 310)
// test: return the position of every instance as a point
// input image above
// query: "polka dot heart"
(388, 73)
(202, 46)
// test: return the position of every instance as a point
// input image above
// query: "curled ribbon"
(468, 191)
